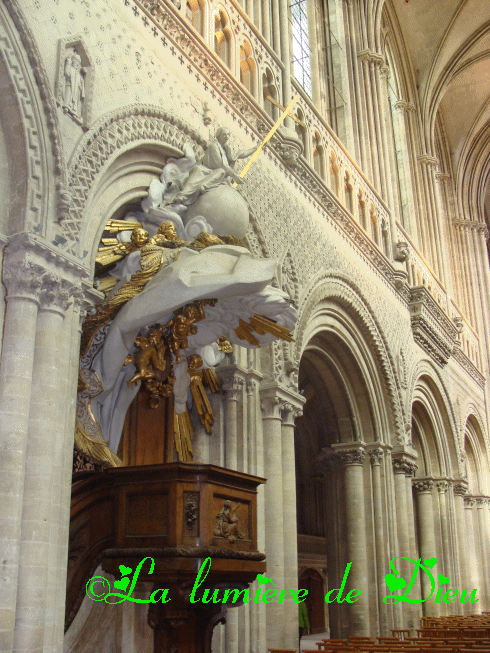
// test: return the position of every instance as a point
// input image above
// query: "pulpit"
(178, 514)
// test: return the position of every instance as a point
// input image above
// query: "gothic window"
(194, 14)
(247, 67)
(318, 162)
(222, 37)
(270, 94)
(374, 227)
(348, 192)
(362, 212)
(334, 175)
(301, 47)
(301, 131)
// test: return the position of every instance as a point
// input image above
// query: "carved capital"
(403, 465)
(480, 502)
(23, 279)
(442, 486)
(351, 456)
(271, 407)
(233, 387)
(469, 502)
(460, 488)
(35, 270)
(252, 387)
(424, 485)
(290, 412)
(376, 456)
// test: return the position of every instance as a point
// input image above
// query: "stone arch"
(426, 368)
(115, 134)
(474, 458)
(30, 135)
(430, 425)
(337, 287)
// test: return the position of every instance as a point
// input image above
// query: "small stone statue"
(74, 90)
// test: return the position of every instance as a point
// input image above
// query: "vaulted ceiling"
(448, 42)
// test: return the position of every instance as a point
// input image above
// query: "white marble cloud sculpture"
(225, 272)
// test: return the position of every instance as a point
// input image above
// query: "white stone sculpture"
(224, 272)
(74, 88)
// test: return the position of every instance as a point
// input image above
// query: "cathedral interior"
(244, 318)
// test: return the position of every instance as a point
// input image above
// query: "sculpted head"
(139, 237)
(222, 135)
(167, 229)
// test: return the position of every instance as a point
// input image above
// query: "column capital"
(423, 485)
(403, 458)
(376, 456)
(460, 487)
(480, 502)
(36, 270)
(469, 502)
(429, 161)
(274, 394)
(442, 485)
(352, 453)
(233, 386)
(290, 412)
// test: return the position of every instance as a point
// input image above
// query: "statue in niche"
(74, 86)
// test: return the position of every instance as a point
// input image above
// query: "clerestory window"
(301, 46)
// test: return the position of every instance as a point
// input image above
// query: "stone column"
(427, 542)
(472, 575)
(377, 456)
(352, 458)
(481, 508)
(274, 510)
(460, 488)
(290, 412)
(233, 387)
(442, 488)
(45, 438)
(23, 277)
(403, 468)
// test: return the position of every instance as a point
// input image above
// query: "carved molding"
(432, 329)
(33, 135)
(469, 367)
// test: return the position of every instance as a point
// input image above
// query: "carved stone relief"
(74, 84)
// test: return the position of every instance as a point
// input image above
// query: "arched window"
(318, 162)
(362, 211)
(301, 131)
(247, 67)
(348, 192)
(194, 14)
(269, 93)
(222, 37)
(334, 175)
(374, 227)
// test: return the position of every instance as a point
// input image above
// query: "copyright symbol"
(95, 592)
